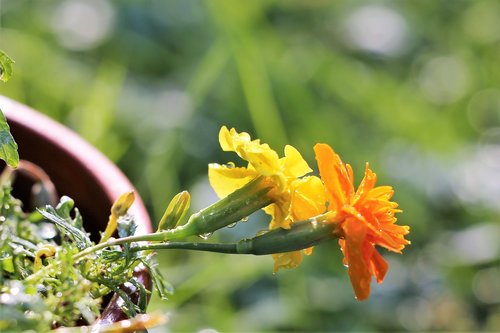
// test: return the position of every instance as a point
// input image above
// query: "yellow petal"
(262, 158)
(287, 260)
(308, 198)
(294, 163)
(225, 139)
(230, 139)
(280, 214)
(225, 180)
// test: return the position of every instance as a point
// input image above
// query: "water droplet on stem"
(205, 235)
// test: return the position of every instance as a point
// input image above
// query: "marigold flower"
(367, 219)
(294, 198)
(262, 160)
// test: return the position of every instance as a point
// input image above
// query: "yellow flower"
(294, 198)
(263, 161)
(366, 219)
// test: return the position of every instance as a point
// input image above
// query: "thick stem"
(301, 235)
(206, 247)
(236, 206)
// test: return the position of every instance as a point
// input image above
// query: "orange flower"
(367, 216)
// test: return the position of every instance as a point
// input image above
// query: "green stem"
(207, 247)
(301, 235)
(232, 208)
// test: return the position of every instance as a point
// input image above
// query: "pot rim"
(110, 178)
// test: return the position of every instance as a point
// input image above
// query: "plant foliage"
(67, 290)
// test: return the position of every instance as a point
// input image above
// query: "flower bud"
(123, 203)
(118, 209)
(175, 212)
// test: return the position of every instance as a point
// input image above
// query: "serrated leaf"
(142, 302)
(80, 237)
(5, 67)
(8, 146)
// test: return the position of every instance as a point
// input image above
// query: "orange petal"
(344, 252)
(359, 273)
(353, 213)
(350, 173)
(309, 250)
(335, 175)
(378, 266)
(365, 186)
(396, 229)
(382, 192)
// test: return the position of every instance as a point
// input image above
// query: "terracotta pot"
(77, 170)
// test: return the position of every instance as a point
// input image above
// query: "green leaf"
(8, 146)
(163, 287)
(81, 239)
(5, 67)
(142, 302)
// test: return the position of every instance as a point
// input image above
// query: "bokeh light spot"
(83, 24)
(377, 29)
(489, 151)
(474, 245)
(486, 285)
(443, 80)
(415, 313)
(483, 110)
(482, 21)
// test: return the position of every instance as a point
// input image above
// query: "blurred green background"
(411, 86)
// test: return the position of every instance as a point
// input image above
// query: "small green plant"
(43, 282)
